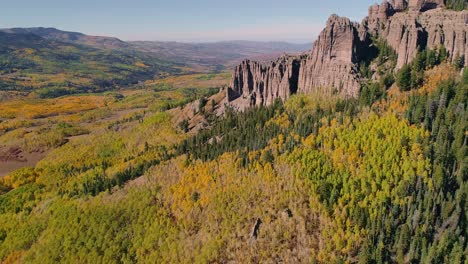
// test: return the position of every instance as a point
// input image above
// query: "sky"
(298, 21)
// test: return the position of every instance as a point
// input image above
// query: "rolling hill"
(51, 67)
(53, 62)
(71, 37)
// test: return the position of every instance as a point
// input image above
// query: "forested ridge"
(315, 179)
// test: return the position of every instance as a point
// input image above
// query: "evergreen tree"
(431, 59)
(404, 78)
(443, 54)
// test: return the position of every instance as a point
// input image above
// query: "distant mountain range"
(215, 55)
(51, 67)
(221, 54)
(71, 37)
(70, 62)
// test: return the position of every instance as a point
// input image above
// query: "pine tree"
(404, 78)
(443, 54)
(431, 59)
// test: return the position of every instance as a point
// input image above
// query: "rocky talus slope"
(332, 64)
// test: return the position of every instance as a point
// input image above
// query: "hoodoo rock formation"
(256, 84)
(423, 5)
(332, 64)
(424, 25)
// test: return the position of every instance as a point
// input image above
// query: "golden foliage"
(397, 101)
(193, 81)
(41, 108)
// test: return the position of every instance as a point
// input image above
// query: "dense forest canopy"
(375, 180)
(131, 167)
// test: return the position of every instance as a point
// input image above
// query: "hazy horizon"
(298, 21)
(298, 42)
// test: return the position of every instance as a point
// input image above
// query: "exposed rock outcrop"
(406, 31)
(332, 63)
(332, 60)
(400, 5)
(256, 84)
(423, 5)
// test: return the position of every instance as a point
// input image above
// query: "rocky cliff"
(333, 58)
(332, 64)
(256, 84)
(424, 24)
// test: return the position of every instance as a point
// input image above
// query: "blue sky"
(184, 20)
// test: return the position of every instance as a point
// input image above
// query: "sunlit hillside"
(320, 180)
(352, 150)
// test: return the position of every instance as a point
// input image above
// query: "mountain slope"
(56, 62)
(70, 37)
(50, 67)
(215, 55)
(319, 177)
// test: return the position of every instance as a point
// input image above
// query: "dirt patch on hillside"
(12, 154)
(12, 158)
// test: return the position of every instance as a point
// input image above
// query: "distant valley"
(52, 62)
(219, 55)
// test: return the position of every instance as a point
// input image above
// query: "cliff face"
(256, 84)
(424, 24)
(333, 61)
